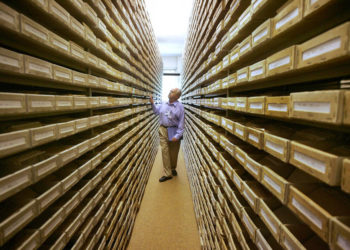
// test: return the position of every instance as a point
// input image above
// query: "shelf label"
(9, 61)
(272, 184)
(275, 147)
(256, 105)
(313, 107)
(260, 35)
(268, 220)
(36, 32)
(283, 61)
(311, 162)
(257, 72)
(307, 213)
(323, 48)
(290, 16)
(10, 104)
(280, 107)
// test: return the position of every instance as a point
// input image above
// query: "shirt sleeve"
(155, 108)
(181, 125)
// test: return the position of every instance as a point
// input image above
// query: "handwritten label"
(279, 63)
(311, 162)
(313, 107)
(307, 213)
(322, 48)
(280, 107)
(290, 16)
(272, 184)
(275, 147)
(9, 61)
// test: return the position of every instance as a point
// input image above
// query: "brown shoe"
(165, 178)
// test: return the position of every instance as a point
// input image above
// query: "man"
(172, 118)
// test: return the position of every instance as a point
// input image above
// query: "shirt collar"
(174, 103)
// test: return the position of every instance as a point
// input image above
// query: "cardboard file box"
(12, 103)
(256, 104)
(93, 81)
(241, 104)
(262, 34)
(65, 129)
(311, 6)
(240, 131)
(228, 124)
(52, 224)
(277, 106)
(77, 52)
(287, 16)
(59, 44)
(253, 167)
(67, 154)
(34, 30)
(345, 182)
(59, 13)
(64, 103)
(89, 35)
(340, 233)
(9, 18)
(245, 46)
(330, 46)
(277, 146)
(41, 103)
(281, 62)
(242, 75)
(29, 238)
(45, 167)
(79, 79)
(37, 67)
(77, 27)
(42, 4)
(43, 134)
(249, 220)
(82, 124)
(92, 59)
(245, 18)
(81, 102)
(257, 71)
(11, 61)
(62, 74)
(319, 106)
(234, 55)
(317, 206)
(53, 190)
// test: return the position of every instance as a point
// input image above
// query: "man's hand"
(174, 139)
(151, 99)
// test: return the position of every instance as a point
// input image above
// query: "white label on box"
(240, 157)
(290, 16)
(79, 79)
(12, 143)
(272, 184)
(225, 62)
(39, 68)
(66, 129)
(234, 31)
(252, 168)
(245, 18)
(229, 126)
(234, 56)
(242, 76)
(279, 63)
(244, 48)
(224, 84)
(223, 122)
(307, 213)
(41, 104)
(6, 17)
(253, 138)
(45, 135)
(323, 48)
(256, 3)
(10, 104)
(260, 35)
(60, 14)
(311, 162)
(237, 181)
(313, 107)
(60, 45)
(343, 242)
(229, 149)
(9, 61)
(268, 220)
(239, 131)
(275, 147)
(232, 104)
(80, 103)
(250, 199)
(62, 74)
(83, 148)
(68, 156)
(249, 226)
(64, 103)
(241, 104)
(6, 186)
(313, 2)
(287, 244)
(256, 105)
(35, 32)
(17, 223)
(280, 107)
(257, 71)
(77, 53)
(77, 27)
(46, 168)
(81, 125)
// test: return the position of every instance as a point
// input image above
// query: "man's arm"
(181, 126)
(154, 107)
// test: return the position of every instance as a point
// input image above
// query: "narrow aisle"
(166, 219)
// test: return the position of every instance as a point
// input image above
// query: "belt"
(168, 126)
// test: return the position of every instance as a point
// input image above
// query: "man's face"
(173, 95)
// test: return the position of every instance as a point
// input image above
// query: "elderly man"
(171, 119)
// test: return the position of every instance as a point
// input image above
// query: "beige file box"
(34, 30)
(256, 104)
(37, 67)
(345, 182)
(12, 103)
(58, 12)
(282, 61)
(9, 18)
(263, 33)
(82, 124)
(311, 6)
(61, 74)
(241, 104)
(81, 102)
(65, 129)
(45, 167)
(234, 54)
(240, 130)
(64, 103)
(44, 134)
(77, 27)
(11, 61)
(59, 43)
(245, 46)
(257, 71)
(52, 224)
(245, 18)
(277, 146)
(318, 106)
(287, 16)
(41, 103)
(340, 233)
(243, 76)
(330, 46)
(92, 59)
(79, 79)
(89, 35)
(277, 106)
(93, 81)
(77, 52)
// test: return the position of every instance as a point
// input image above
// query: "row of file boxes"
(313, 157)
(305, 204)
(52, 194)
